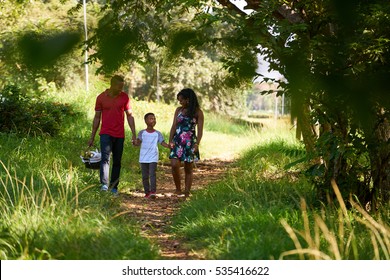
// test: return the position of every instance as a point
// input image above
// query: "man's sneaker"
(147, 195)
(152, 195)
(104, 188)
(114, 191)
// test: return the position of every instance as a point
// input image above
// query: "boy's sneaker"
(114, 191)
(104, 188)
(152, 195)
(147, 195)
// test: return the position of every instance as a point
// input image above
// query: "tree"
(334, 56)
(161, 35)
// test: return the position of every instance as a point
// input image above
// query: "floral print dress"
(184, 139)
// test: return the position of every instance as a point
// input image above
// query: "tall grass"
(42, 220)
(262, 211)
(339, 233)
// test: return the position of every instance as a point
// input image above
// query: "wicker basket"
(92, 162)
(92, 165)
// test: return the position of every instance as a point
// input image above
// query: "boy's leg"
(152, 175)
(145, 177)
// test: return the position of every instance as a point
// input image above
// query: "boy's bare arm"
(165, 145)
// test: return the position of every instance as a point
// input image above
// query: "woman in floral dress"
(185, 136)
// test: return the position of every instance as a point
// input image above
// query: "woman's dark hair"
(193, 105)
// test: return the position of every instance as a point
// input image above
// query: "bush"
(24, 115)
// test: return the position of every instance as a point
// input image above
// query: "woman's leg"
(188, 171)
(175, 165)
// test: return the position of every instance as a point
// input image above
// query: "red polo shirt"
(113, 116)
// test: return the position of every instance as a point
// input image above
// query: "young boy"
(148, 157)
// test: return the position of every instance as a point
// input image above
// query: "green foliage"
(40, 44)
(351, 166)
(163, 49)
(182, 40)
(43, 50)
(334, 56)
(116, 45)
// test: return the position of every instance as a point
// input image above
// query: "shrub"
(25, 115)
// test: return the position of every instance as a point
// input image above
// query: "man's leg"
(117, 151)
(105, 149)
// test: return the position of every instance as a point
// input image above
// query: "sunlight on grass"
(63, 221)
(255, 211)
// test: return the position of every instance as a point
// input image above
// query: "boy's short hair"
(147, 115)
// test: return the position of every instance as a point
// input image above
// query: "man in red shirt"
(110, 108)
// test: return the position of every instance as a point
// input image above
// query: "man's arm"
(95, 127)
(131, 122)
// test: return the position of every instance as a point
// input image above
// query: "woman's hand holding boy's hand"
(196, 147)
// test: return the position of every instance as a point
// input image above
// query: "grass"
(262, 211)
(51, 206)
(47, 218)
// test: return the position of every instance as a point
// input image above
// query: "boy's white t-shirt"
(149, 145)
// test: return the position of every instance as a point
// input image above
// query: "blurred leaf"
(42, 50)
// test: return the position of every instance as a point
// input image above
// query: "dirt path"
(154, 215)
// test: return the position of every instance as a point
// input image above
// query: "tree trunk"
(305, 131)
(379, 150)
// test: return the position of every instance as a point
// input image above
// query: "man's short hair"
(117, 79)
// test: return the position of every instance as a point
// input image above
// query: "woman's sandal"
(177, 193)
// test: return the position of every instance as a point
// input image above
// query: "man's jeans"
(108, 145)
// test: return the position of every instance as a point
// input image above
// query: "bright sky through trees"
(263, 65)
